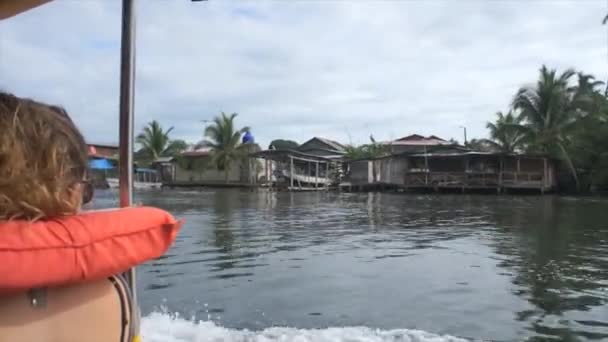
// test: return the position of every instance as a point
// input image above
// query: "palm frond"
(154, 141)
(224, 140)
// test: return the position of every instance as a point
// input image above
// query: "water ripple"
(489, 267)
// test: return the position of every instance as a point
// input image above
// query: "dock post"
(501, 167)
(270, 174)
(291, 171)
(327, 174)
(266, 173)
(544, 182)
(317, 175)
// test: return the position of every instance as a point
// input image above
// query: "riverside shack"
(314, 165)
(455, 168)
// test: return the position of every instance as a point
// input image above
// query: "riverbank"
(383, 188)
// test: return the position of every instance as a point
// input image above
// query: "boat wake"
(162, 327)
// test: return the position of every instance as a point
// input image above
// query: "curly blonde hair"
(43, 159)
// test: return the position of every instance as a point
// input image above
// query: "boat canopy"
(10, 8)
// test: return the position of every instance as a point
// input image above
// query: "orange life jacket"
(88, 246)
(60, 278)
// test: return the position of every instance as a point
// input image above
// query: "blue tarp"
(248, 138)
(100, 164)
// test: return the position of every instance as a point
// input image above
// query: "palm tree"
(505, 136)
(371, 151)
(225, 142)
(376, 149)
(155, 142)
(353, 152)
(481, 145)
(549, 110)
(366, 151)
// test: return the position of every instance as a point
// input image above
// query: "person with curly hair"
(43, 161)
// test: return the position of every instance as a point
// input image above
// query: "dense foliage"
(505, 135)
(564, 116)
(283, 144)
(366, 151)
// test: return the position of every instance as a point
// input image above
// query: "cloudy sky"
(297, 69)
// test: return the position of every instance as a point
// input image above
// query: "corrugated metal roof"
(164, 159)
(425, 142)
(277, 154)
(452, 154)
(334, 145)
(203, 151)
(418, 140)
(418, 137)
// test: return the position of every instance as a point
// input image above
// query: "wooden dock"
(198, 184)
(457, 181)
(499, 181)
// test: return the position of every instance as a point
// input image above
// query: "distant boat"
(311, 180)
(142, 179)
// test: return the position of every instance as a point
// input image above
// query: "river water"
(259, 266)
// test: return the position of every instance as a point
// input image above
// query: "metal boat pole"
(127, 88)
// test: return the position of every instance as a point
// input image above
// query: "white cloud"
(340, 69)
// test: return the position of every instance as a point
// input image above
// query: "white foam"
(162, 327)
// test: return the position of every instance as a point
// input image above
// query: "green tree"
(588, 142)
(549, 111)
(176, 147)
(283, 144)
(505, 136)
(224, 139)
(155, 142)
(366, 151)
(372, 150)
(453, 141)
(354, 152)
(481, 145)
(375, 149)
